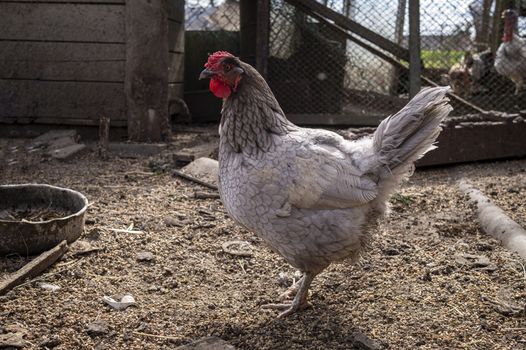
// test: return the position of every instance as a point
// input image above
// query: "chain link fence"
(315, 68)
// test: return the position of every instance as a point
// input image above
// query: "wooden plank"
(62, 22)
(58, 121)
(34, 267)
(335, 119)
(60, 51)
(103, 71)
(62, 61)
(415, 66)
(175, 37)
(176, 10)
(80, 100)
(175, 68)
(354, 27)
(468, 144)
(103, 2)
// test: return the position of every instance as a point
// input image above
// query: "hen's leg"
(291, 292)
(300, 300)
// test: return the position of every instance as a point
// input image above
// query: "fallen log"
(33, 268)
(495, 222)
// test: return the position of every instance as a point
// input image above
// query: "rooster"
(311, 195)
(510, 59)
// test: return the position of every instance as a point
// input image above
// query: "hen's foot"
(300, 299)
(287, 308)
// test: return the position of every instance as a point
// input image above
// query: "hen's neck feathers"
(251, 115)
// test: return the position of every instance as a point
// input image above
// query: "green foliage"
(443, 59)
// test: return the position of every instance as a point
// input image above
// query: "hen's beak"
(206, 73)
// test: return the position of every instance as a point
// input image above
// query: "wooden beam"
(468, 142)
(34, 267)
(146, 80)
(262, 40)
(248, 30)
(354, 27)
(347, 119)
(415, 67)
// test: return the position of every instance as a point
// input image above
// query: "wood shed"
(71, 62)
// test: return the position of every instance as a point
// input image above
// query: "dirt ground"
(415, 289)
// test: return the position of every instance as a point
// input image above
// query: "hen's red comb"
(214, 58)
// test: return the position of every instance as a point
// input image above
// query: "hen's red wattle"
(219, 88)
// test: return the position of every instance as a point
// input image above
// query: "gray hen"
(312, 196)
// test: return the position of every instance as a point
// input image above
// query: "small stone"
(473, 260)
(154, 288)
(145, 256)
(67, 152)
(98, 327)
(427, 276)
(483, 247)
(49, 286)
(54, 135)
(204, 169)
(391, 251)
(208, 343)
(50, 342)
(363, 342)
(171, 221)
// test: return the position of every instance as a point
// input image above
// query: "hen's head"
(510, 23)
(225, 73)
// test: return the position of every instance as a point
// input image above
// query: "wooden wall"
(62, 62)
(66, 61)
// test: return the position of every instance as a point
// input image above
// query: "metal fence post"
(415, 67)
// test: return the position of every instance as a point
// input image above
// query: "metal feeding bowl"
(35, 218)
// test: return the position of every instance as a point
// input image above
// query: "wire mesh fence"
(315, 67)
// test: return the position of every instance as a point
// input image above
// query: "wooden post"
(146, 81)
(248, 30)
(262, 36)
(399, 38)
(415, 65)
(104, 135)
(255, 28)
(497, 26)
(482, 34)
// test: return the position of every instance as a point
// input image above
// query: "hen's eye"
(227, 67)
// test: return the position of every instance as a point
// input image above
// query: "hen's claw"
(288, 308)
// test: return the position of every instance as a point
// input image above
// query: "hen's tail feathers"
(406, 136)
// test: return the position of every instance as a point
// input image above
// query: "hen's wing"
(326, 176)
